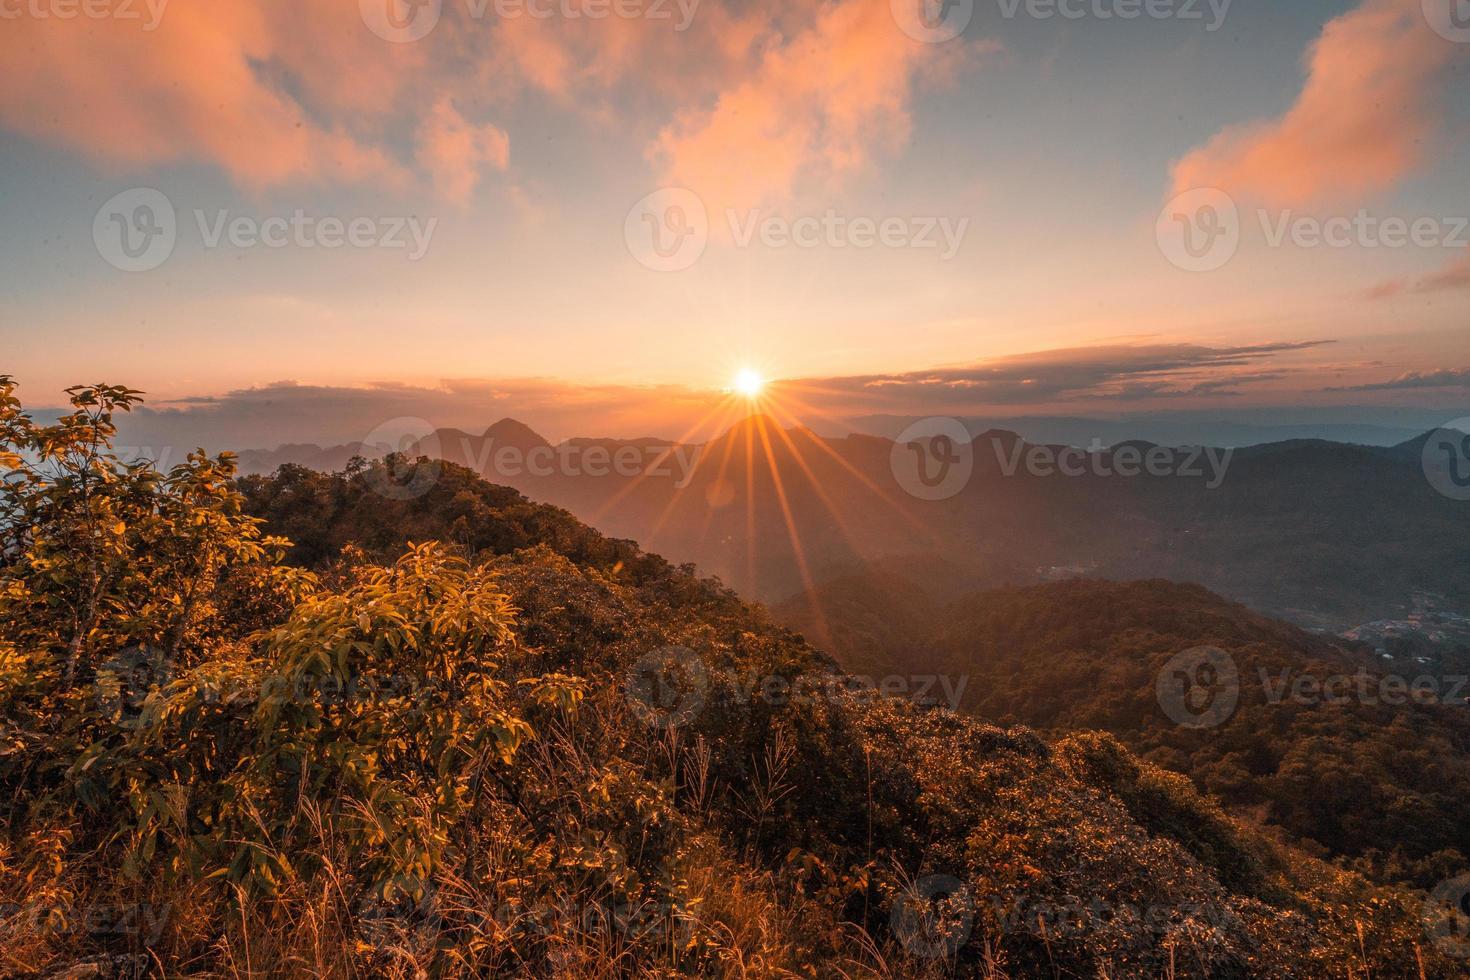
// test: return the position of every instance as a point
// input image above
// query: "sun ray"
(797, 551)
(674, 501)
(928, 533)
(721, 406)
(719, 481)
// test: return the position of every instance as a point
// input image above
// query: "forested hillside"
(1329, 742)
(520, 748)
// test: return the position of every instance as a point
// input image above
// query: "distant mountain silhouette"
(509, 432)
(1326, 534)
(328, 459)
(1161, 428)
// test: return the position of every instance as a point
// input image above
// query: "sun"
(748, 383)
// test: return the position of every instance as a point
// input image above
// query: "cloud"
(1368, 116)
(281, 92)
(208, 83)
(1416, 380)
(687, 53)
(269, 416)
(820, 104)
(454, 151)
(1109, 372)
(1454, 275)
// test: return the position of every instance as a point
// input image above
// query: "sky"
(298, 219)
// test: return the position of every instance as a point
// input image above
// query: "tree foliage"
(435, 758)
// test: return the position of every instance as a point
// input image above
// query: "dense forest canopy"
(296, 725)
(1328, 740)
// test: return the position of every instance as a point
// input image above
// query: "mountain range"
(1328, 535)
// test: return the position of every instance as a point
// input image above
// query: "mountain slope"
(843, 784)
(1348, 774)
(523, 748)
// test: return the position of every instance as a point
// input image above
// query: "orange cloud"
(817, 105)
(275, 92)
(197, 87)
(1367, 117)
(453, 151)
(1455, 275)
(689, 51)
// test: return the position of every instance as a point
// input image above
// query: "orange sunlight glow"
(792, 457)
(748, 383)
